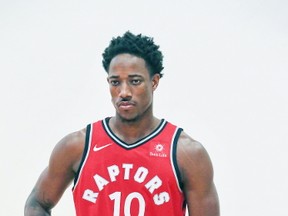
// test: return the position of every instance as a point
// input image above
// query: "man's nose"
(125, 91)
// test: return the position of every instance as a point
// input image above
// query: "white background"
(225, 83)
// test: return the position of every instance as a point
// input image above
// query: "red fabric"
(117, 181)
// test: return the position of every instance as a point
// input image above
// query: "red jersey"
(120, 179)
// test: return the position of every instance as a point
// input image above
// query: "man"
(132, 163)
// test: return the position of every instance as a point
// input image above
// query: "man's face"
(131, 87)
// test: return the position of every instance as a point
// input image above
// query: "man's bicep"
(57, 176)
(200, 193)
(203, 203)
(54, 180)
(50, 187)
(40, 202)
(197, 176)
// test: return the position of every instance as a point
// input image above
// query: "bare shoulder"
(70, 149)
(193, 160)
(63, 164)
(186, 142)
(197, 177)
(73, 141)
(190, 149)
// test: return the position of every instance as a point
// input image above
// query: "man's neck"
(132, 131)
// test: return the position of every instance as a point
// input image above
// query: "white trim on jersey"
(130, 146)
(86, 156)
(174, 142)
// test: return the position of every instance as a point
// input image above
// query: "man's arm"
(54, 180)
(197, 176)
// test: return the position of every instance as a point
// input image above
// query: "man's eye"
(136, 82)
(114, 82)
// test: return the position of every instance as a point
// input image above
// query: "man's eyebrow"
(130, 76)
(113, 77)
(135, 75)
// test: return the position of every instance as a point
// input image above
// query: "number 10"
(116, 196)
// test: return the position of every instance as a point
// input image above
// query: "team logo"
(158, 150)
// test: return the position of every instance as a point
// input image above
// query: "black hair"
(138, 45)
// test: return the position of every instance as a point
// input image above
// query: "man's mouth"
(125, 104)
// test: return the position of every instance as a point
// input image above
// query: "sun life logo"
(158, 151)
(159, 147)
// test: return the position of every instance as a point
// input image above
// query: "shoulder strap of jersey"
(174, 157)
(85, 153)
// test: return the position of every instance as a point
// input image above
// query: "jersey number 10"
(116, 196)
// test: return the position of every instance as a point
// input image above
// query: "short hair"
(138, 45)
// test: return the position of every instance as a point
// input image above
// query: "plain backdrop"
(225, 83)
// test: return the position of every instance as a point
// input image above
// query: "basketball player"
(132, 163)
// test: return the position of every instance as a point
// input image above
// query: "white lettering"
(159, 199)
(90, 196)
(116, 196)
(100, 181)
(128, 201)
(153, 184)
(127, 168)
(141, 174)
(113, 172)
(127, 171)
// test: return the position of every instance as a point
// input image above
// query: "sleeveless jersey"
(120, 179)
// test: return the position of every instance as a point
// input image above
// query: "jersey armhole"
(174, 158)
(84, 155)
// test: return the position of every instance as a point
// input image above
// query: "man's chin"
(128, 118)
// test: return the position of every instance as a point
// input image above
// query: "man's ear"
(155, 81)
